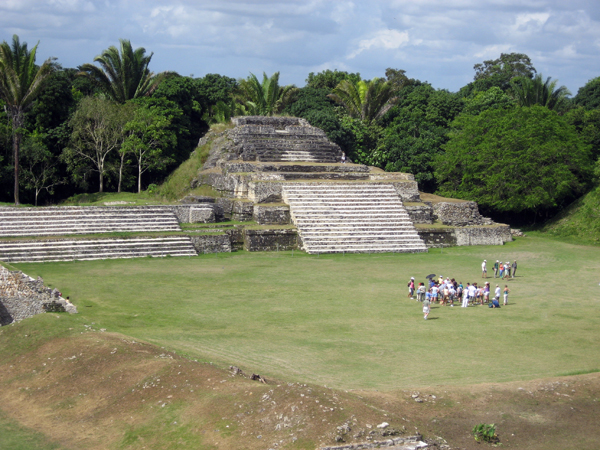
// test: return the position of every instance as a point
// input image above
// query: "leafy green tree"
(523, 160)
(97, 134)
(264, 98)
(21, 81)
(124, 72)
(329, 79)
(587, 124)
(415, 131)
(397, 78)
(588, 96)
(186, 94)
(148, 134)
(498, 72)
(493, 98)
(39, 166)
(365, 100)
(536, 91)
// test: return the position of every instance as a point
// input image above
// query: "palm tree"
(266, 98)
(365, 100)
(21, 81)
(124, 74)
(536, 91)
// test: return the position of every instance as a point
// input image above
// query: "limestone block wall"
(271, 214)
(420, 213)
(459, 214)
(270, 240)
(216, 243)
(22, 296)
(473, 235)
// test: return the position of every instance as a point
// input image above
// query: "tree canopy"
(123, 73)
(21, 81)
(518, 160)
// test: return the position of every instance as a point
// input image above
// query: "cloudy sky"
(433, 40)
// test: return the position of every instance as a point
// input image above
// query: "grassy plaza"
(345, 320)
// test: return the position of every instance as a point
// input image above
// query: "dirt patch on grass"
(98, 390)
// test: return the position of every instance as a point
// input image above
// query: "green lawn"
(345, 321)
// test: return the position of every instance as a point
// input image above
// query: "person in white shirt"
(484, 269)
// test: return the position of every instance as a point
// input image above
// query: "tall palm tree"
(21, 81)
(536, 91)
(124, 73)
(266, 98)
(365, 100)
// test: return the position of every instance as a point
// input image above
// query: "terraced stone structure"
(265, 166)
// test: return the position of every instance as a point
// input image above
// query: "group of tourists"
(446, 292)
(501, 270)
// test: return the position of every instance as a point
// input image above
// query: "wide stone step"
(67, 250)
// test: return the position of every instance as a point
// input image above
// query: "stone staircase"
(352, 218)
(54, 221)
(91, 249)
(282, 139)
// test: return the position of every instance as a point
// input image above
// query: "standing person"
(465, 297)
(421, 292)
(472, 292)
(411, 288)
(506, 291)
(507, 269)
(434, 293)
(484, 269)
(486, 292)
(501, 270)
(496, 265)
(343, 157)
(426, 308)
(497, 292)
(514, 268)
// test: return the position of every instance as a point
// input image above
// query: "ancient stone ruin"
(284, 181)
(22, 296)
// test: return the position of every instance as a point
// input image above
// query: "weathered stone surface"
(22, 296)
(236, 237)
(472, 235)
(271, 214)
(270, 240)
(192, 199)
(265, 192)
(211, 243)
(242, 210)
(407, 190)
(459, 214)
(496, 235)
(437, 237)
(206, 214)
(224, 208)
(420, 213)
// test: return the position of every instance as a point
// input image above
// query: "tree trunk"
(101, 189)
(140, 177)
(121, 172)
(16, 147)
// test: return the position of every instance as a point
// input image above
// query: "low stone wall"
(211, 243)
(459, 214)
(22, 296)
(462, 236)
(420, 213)
(265, 214)
(270, 240)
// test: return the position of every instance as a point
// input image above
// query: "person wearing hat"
(496, 265)
(484, 269)
(411, 288)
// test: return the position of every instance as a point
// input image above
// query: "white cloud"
(384, 39)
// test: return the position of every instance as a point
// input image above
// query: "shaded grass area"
(345, 321)
(580, 222)
(13, 436)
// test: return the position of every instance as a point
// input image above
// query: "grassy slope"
(303, 319)
(580, 221)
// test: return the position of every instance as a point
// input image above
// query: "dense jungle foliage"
(512, 140)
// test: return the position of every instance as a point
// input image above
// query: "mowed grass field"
(345, 320)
